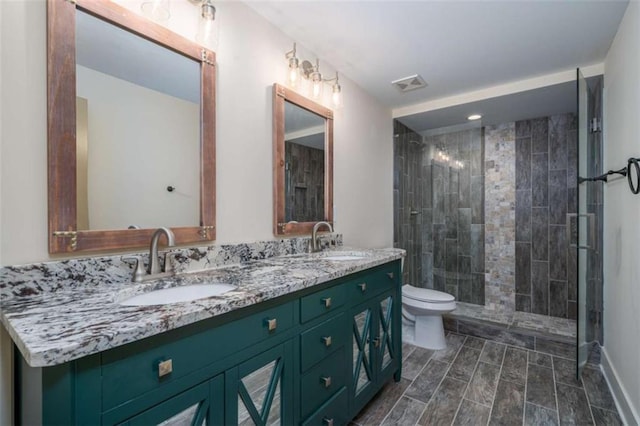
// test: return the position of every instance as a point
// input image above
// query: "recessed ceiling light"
(474, 117)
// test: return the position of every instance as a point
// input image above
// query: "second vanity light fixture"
(297, 70)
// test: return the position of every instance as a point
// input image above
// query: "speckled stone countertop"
(61, 323)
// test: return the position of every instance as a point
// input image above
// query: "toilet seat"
(426, 295)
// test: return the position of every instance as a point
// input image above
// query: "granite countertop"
(57, 326)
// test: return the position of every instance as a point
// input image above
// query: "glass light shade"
(316, 87)
(207, 34)
(336, 96)
(293, 72)
(157, 10)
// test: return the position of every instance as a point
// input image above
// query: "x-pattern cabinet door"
(259, 390)
(363, 333)
(387, 357)
(199, 406)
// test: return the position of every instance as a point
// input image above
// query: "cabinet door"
(259, 391)
(387, 342)
(198, 406)
(363, 322)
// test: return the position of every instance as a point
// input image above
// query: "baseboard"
(627, 411)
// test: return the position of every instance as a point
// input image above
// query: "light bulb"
(316, 92)
(294, 72)
(207, 34)
(336, 98)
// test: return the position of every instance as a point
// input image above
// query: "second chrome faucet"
(155, 270)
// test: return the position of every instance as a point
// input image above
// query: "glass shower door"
(585, 241)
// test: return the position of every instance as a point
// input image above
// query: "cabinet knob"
(327, 421)
(390, 275)
(327, 302)
(327, 340)
(272, 324)
(326, 381)
(363, 287)
(376, 342)
(165, 367)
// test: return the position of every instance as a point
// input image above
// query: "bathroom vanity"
(303, 339)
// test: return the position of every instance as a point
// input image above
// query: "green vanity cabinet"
(312, 357)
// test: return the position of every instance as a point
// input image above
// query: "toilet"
(422, 310)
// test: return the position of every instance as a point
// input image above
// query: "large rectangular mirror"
(303, 162)
(131, 130)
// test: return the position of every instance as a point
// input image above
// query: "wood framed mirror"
(302, 163)
(119, 168)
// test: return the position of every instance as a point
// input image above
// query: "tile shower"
(482, 213)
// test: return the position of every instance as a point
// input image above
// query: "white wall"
(250, 59)
(140, 142)
(621, 215)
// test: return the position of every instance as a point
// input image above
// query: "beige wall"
(250, 59)
(621, 216)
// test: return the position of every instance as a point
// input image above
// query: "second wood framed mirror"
(302, 163)
(131, 130)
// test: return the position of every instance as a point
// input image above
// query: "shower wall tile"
(539, 178)
(523, 302)
(477, 288)
(451, 263)
(540, 233)
(540, 135)
(427, 270)
(477, 199)
(523, 268)
(523, 163)
(427, 230)
(572, 274)
(464, 232)
(427, 197)
(523, 215)
(439, 195)
(464, 266)
(558, 298)
(540, 287)
(557, 252)
(523, 128)
(477, 162)
(557, 197)
(439, 279)
(464, 200)
(572, 159)
(439, 247)
(451, 215)
(477, 248)
(500, 201)
(557, 142)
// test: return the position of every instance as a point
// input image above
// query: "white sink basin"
(178, 294)
(343, 257)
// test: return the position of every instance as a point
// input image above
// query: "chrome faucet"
(154, 263)
(314, 235)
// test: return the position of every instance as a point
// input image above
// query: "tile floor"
(478, 382)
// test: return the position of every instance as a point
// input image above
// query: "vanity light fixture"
(207, 34)
(156, 10)
(474, 117)
(298, 70)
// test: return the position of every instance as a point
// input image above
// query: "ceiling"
(456, 46)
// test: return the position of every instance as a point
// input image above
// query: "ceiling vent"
(410, 83)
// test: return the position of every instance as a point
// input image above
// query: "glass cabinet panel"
(185, 418)
(386, 332)
(362, 368)
(259, 396)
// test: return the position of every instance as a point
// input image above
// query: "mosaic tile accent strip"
(500, 226)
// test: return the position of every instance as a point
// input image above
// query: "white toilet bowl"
(422, 310)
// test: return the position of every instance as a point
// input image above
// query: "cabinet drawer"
(368, 285)
(332, 413)
(323, 340)
(137, 368)
(322, 302)
(322, 381)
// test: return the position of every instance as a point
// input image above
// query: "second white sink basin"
(185, 293)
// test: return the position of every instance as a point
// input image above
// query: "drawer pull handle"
(326, 381)
(363, 287)
(390, 275)
(327, 302)
(327, 340)
(272, 324)
(165, 367)
(376, 342)
(327, 421)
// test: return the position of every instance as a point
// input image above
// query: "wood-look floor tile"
(474, 342)
(482, 387)
(472, 414)
(406, 350)
(406, 412)
(604, 417)
(540, 387)
(415, 362)
(493, 353)
(378, 408)
(538, 416)
(508, 405)
(443, 406)
(425, 385)
(538, 358)
(565, 372)
(464, 364)
(597, 389)
(454, 342)
(514, 366)
(573, 406)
